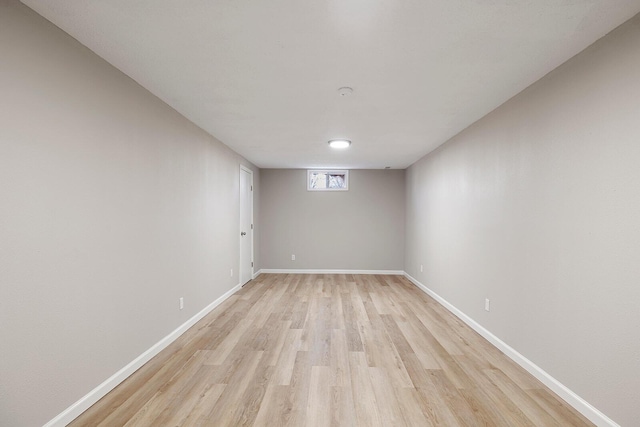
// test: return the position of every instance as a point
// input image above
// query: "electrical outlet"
(487, 304)
(181, 303)
(293, 257)
(421, 268)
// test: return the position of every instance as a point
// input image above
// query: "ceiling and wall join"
(263, 77)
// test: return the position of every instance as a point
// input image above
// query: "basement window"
(327, 180)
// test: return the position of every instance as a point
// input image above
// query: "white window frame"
(330, 172)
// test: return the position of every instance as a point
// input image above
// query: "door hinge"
(252, 188)
(251, 264)
(252, 226)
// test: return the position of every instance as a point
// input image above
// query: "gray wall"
(537, 207)
(112, 206)
(359, 229)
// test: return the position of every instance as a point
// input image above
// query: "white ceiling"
(262, 76)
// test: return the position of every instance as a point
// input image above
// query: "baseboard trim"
(578, 403)
(581, 405)
(310, 271)
(75, 410)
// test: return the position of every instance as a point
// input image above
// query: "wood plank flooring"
(330, 350)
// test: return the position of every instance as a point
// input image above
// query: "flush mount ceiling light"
(339, 143)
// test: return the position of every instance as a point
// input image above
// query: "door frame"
(245, 169)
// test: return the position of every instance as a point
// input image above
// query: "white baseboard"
(73, 411)
(581, 405)
(288, 271)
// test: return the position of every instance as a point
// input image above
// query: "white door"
(246, 225)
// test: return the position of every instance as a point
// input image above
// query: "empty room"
(333, 213)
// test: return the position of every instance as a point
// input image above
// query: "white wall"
(537, 207)
(112, 206)
(359, 229)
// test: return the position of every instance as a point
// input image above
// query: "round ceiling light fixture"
(345, 91)
(339, 143)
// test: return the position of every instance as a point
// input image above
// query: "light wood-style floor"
(330, 350)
